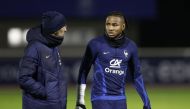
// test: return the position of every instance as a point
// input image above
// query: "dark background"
(171, 27)
(161, 23)
(159, 27)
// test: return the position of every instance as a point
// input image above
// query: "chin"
(111, 36)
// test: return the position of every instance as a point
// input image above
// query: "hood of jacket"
(35, 34)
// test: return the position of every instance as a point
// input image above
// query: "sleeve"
(86, 64)
(137, 77)
(27, 72)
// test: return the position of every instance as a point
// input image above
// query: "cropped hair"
(119, 14)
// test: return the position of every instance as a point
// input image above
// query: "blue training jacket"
(112, 69)
(41, 74)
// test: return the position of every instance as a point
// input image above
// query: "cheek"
(107, 30)
(119, 29)
(60, 33)
(106, 27)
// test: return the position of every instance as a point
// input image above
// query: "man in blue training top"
(41, 74)
(114, 57)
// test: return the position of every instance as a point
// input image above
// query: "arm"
(27, 71)
(82, 78)
(138, 79)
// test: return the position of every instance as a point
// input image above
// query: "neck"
(116, 41)
(53, 40)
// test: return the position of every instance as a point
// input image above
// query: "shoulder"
(94, 44)
(32, 45)
(35, 45)
(131, 42)
(31, 50)
(35, 48)
(131, 45)
(96, 41)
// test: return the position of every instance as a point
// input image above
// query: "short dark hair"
(118, 14)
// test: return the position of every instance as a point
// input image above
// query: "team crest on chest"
(126, 53)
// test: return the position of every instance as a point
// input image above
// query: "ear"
(123, 27)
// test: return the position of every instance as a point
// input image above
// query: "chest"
(50, 59)
(114, 56)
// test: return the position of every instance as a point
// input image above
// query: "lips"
(111, 34)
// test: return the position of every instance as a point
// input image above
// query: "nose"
(65, 28)
(110, 28)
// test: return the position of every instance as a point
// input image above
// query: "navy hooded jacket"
(41, 74)
(112, 67)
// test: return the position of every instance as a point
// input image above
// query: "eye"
(115, 24)
(107, 24)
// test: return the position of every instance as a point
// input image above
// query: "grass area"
(162, 97)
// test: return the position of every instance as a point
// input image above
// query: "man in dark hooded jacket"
(41, 74)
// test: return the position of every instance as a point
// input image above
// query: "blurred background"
(159, 28)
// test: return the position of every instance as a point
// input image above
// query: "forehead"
(114, 19)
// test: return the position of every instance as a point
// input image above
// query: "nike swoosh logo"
(47, 56)
(106, 52)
